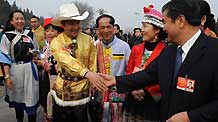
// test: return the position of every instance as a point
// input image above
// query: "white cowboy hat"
(69, 12)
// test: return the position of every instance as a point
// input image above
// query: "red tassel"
(146, 10)
(106, 96)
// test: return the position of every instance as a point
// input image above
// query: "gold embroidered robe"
(71, 93)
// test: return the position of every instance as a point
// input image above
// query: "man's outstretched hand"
(179, 117)
(97, 81)
(109, 79)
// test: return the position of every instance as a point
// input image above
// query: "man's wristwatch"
(85, 73)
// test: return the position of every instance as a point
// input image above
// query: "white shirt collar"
(186, 47)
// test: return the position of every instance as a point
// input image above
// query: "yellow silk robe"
(39, 33)
(71, 93)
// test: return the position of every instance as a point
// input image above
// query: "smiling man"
(114, 57)
(76, 59)
(192, 57)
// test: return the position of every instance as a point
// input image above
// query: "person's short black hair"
(162, 34)
(59, 29)
(189, 8)
(135, 29)
(88, 28)
(112, 20)
(35, 17)
(206, 11)
(118, 26)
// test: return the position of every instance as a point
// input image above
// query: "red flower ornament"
(151, 6)
(147, 9)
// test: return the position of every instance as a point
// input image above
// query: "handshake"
(100, 81)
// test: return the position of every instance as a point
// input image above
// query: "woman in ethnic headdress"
(143, 104)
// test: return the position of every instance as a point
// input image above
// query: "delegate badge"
(185, 84)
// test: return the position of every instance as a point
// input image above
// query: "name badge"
(26, 39)
(185, 84)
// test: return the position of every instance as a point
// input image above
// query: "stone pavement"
(8, 114)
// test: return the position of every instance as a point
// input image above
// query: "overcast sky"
(124, 11)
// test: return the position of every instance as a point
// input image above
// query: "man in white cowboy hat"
(76, 58)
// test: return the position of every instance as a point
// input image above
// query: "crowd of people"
(165, 72)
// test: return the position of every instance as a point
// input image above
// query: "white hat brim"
(57, 20)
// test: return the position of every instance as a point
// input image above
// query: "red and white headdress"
(153, 16)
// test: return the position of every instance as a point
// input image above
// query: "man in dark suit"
(199, 57)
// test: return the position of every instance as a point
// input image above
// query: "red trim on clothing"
(135, 57)
(154, 89)
(135, 60)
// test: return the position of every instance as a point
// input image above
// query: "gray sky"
(124, 11)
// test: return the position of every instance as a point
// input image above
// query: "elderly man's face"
(71, 28)
(106, 30)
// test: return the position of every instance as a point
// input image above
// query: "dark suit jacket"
(200, 64)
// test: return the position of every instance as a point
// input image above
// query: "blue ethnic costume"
(18, 47)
